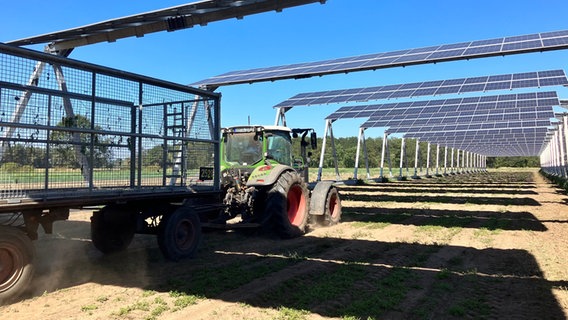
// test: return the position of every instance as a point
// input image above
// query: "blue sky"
(307, 33)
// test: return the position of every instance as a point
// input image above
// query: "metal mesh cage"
(71, 129)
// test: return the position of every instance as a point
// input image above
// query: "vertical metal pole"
(401, 156)
(337, 176)
(561, 148)
(389, 158)
(416, 151)
(445, 160)
(437, 159)
(458, 169)
(366, 155)
(428, 159)
(320, 168)
(383, 152)
(452, 162)
(361, 130)
(280, 116)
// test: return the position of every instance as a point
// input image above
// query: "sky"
(313, 32)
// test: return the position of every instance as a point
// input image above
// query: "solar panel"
(168, 19)
(537, 42)
(452, 86)
(526, 100)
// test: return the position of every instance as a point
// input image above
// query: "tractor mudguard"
(325, 204)
(319, 195)
(267, 175)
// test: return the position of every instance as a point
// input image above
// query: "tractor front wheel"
(288, 204)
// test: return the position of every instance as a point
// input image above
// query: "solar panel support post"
(328, 130)
(428, 150)
(555, 152)
(383, 152)
(368, 172)
(323, 145)
(416, 153)
(561, 152)
(280, 116)
(467, 166)
(458, 168)
(476, 162)
(334, 151)
(360, 140)
(452, 162)
(437, 160)
(445, 160)
(554, 156)
(402, 155)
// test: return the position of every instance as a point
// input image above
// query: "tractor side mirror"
(314, 140)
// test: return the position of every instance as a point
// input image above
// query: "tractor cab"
(253, 146)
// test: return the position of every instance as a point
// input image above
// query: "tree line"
(63, 156)
(346, 149)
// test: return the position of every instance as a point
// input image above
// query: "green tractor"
(265, 186)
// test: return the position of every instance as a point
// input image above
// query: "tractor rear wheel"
(179, 234)
(17, 257)
(288, 204)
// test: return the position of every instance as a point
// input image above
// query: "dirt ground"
(478, 246)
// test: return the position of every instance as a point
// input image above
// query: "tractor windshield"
(279, 147)
(244, 148)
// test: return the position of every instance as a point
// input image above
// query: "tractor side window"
(279, 148)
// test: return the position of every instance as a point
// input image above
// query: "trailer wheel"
(325, 206)
(287, 201)
(179, 234)
(17, 257)
(113, 228)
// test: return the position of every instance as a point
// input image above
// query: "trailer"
(74, 135)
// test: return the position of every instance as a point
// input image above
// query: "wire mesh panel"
(70, 129)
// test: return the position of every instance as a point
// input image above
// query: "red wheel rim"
(296, 205)
(11, 267)
(333, 205)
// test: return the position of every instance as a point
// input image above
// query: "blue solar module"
(439, 87)
(537, 42)
(545, 99)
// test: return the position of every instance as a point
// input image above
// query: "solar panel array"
(500, 125)
(498, 142)
(430, 88)
(455, 106)
(536, 42)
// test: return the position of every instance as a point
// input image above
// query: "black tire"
(17, 257)
(331, 206)
(287, 203)
(113, 228)
(179, 234)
